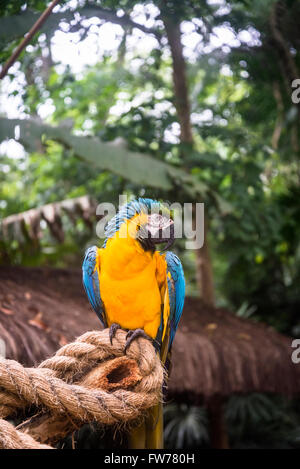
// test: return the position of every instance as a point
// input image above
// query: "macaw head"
(153, 229)
(148, 221)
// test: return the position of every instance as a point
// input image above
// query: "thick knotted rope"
(10, 438)
(89, 380)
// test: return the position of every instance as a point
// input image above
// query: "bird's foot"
(134, 334)
(112, 331)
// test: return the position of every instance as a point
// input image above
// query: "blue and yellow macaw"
(133, 286)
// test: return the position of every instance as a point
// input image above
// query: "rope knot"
(89, 380)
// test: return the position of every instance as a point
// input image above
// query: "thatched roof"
(40, 310)
(215, 352)
(220, 354)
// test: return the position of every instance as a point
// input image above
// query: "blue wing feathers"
(176, 287)
(91, 282)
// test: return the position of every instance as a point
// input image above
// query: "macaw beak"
(169, 242)
(165, 235)
(157, 230)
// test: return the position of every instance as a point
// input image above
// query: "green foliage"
(261, 421)
(252, 421)
(185, 427)
(114, 158)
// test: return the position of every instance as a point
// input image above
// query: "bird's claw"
(112, 331)
(134, 334)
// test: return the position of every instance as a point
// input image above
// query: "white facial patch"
(157, 223)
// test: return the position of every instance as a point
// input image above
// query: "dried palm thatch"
(27, 225)
(215, 353)
(41, 310)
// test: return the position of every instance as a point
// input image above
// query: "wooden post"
(148, 434)
(137, 437)
(155, 428)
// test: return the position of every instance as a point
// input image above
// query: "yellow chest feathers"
(132, 283)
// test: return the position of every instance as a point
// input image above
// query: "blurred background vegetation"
(204, 89)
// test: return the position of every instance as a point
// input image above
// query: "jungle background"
(186, 101)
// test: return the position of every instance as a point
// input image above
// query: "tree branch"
(37, 25)
(16, 26)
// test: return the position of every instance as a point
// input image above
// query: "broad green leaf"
(138, 168)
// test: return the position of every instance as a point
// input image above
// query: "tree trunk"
(286, 60)
(217, 427)
(204, 273)
(179, 79)
(280, 113)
